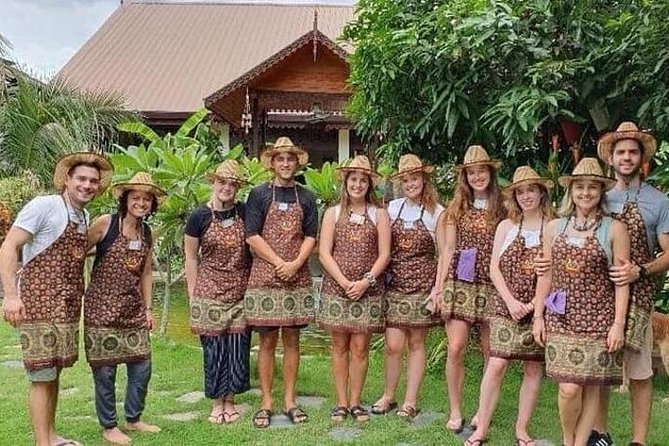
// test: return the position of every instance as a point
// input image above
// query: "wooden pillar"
(255, 145)
(344, 147)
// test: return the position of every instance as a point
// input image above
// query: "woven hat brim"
(425, 169)
(148, 188)
(268, 154)
(66, 162)
(548, 184)
(565, 181)
(606, 143)
(211, 177)
(494, 163)
(343, 170)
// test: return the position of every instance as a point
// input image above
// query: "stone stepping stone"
(255, 391)
(182, 416)
(310, 401)
(13, 364)
(69, 391)
(543, 442)
(191, 397)
(280, 421)
(345, 434)
(425, 418)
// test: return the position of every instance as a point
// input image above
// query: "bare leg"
(457, 333)
(641, 392)
(570, 406)
(291, 364)
(491, 387)
(340, 352)
(527, 397)
(601, 420)
(392, 366)
(41, 411)
(358, 365)
(484, 331)
(266, 352)
(415, 365)
(589, 408)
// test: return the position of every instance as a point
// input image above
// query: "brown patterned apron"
(356, 248)
(642, 292)
(270, 301)
(115, 327)
(217, 304)
(51, 286)
(510, 339)
(469, 301)
(412, 270)
(576, 350)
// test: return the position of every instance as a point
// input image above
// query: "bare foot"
(62, 441)
(116, 437)
(141, 426)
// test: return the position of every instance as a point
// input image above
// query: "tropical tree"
(41, 122)
(432, 76)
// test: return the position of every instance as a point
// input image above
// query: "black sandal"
(359, 414)
(339, 414)
(260, 417)
(296, 415)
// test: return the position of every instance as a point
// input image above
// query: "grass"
(178, 370)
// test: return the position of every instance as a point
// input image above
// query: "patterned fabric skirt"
(49, 344)
(279, 307)
(106, 346)
(343, 315)
(581, 359)
(513, 340)
(408, 311)
(469, 302)
(637, 325)
(226, 364)
(210, 317)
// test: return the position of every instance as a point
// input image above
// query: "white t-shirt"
(46, 218)
(411, 212)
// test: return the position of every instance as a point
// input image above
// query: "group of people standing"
(573, 292)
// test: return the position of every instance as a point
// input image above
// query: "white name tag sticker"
(408, 224)
(576, 241)
(81, 228)
(531, 240)
(228, 222)
(357, 219)
(616, 207)
(135, 245)
(283, 206)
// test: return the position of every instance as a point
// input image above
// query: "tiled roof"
(167, 57)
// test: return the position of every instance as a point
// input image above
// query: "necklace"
(584, 225)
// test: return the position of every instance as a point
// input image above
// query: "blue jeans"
(139, 375)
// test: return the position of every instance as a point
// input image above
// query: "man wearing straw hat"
(645, 211)
(45, 305)
(281, 226)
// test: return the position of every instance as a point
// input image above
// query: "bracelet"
(370, 278)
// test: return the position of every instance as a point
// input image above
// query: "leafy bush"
(16, 191)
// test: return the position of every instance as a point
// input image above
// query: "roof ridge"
(235, 3)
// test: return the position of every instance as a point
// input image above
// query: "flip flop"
(479, 442)
(228, 417)
(382, 409)
(262, 415)
(296, 415)
(521, 442)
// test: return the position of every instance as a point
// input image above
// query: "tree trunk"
(164, 318)
(600, 115)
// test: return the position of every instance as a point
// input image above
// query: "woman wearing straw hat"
(354, 250)
(412, 270)
(218, 263)
(117, 305)
(465, 244)
(579, 314)
(517, 244)
(51, 231)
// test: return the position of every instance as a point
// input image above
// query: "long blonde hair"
(463, 199)
(344, 199)
(515, 212)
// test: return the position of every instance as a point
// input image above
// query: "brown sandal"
(408, 412)
(262, 418)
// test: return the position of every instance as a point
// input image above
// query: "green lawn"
(178, 370)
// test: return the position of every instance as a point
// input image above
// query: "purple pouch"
(556, 302)
(466, 265)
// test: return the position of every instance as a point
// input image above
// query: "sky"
(45, 34)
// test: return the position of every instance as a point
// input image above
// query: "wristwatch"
(370, 278)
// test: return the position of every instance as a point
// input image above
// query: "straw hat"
(359, 164)
(527, 175)
(141, 181)
(626, 130)
(408, 164)
(283, 145)
(587, 169)
(66, 162)
(227, 170)
(476, 156)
